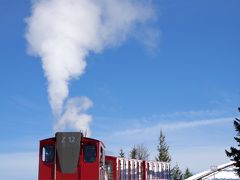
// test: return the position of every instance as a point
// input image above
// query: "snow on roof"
(224, 171)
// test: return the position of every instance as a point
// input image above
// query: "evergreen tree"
(133, 153)
(176, 173)
(121, 153)
(187, 174)
(163, 154)
(234, 153)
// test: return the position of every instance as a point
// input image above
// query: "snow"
(224, 171)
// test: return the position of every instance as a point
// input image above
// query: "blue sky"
(188, 85)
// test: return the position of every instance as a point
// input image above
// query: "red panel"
(113, 160)
(46, 170)
(90, 170)
(144, 170)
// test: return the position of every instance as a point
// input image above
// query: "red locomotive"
(70, 156)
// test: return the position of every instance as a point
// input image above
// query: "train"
(71, 156)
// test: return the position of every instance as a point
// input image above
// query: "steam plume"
(64, 32)
(74, 116)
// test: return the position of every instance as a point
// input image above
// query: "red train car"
(132, 169)
(70, 156)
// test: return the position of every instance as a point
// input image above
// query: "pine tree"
(187, 174)
(133, 153)
(121, 153)
(176, 173)
(234, 153)
(163, 154)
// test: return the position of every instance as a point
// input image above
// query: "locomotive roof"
(54, 138)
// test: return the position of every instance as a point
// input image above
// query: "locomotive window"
(48, 153)
(90, 153)
(102, 155)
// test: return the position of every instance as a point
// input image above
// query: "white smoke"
(74, 116)
(64, 32)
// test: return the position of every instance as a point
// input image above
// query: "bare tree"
(139, 152)
(142, 152)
